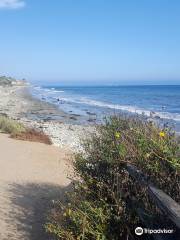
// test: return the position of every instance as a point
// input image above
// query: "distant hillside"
(9, 81)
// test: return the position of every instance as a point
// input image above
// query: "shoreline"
(83, 102)
(64, 129)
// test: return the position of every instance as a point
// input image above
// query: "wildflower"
(148, 155)
(117, 135)
(69, 212)
(162, 134)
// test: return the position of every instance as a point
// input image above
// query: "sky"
(91, 41)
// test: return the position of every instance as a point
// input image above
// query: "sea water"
(161, 102)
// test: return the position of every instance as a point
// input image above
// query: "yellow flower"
(117, 135)
(148, 155)
(69, 212)
(162, 134)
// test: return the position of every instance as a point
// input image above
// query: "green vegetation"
(18, 131)
(6, 81)
(9, 81)
(10, 126)
(105, 198)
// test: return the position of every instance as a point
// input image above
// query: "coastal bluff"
(9, 81)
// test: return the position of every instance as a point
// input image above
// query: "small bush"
(10, 126)
(33, 136)
(105, 200)
(19, 131)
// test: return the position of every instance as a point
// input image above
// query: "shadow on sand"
(30, 204)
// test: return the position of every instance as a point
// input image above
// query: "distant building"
(8, 81)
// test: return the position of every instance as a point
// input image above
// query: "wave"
(101, 104)
(47, 90)
(134, 109)
(58, 91)
(127, 108)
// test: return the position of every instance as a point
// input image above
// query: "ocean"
(161, 102)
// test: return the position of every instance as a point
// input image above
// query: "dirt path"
(31, 175)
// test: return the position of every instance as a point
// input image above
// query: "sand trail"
(31, 175)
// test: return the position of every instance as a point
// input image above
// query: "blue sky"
(91, 41)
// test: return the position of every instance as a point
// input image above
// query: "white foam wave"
(47, 90)
(127, 108)
(58, 91)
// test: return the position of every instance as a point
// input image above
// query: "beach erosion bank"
(63, 129)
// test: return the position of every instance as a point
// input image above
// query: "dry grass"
(10, 126)
(32, 135)
(19, 131)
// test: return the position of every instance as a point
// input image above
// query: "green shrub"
(18, 131)
(10, 126)
(105, 199)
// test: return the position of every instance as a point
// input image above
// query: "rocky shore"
(64, 130)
